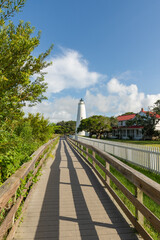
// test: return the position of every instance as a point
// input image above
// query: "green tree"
(17, 146)
(41, 128)
(8, 8)
(147, 121)
(21, 81)
(66, 127)
(18, 69)
(95, 125)
(156, 107)
(113, 121)
(127, 113)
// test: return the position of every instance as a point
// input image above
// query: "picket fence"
(144, 156)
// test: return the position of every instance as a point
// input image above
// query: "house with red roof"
(123, 131)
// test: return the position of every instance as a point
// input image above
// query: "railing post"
(94, 155)
(139, 215)
(86, 154)
(81, 148)
(14, 201)
(79, 145)
(107, 179)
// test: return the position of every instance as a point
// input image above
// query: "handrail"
(142, 183)
(9, 188)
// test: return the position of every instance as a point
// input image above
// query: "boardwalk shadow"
(49, 221)
(48, 225)
(125, 232)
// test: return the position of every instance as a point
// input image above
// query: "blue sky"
(105, 51)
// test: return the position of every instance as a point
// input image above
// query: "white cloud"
(121, 98)
(70, 70)
(114, 86)
(61, 109)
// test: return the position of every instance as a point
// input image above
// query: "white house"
(131, 132)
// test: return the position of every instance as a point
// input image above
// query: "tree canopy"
(148, 122)
(97, 125)
(21, 81)
(8, 9)
(67, 127)
(156, 107)
(127, 113)
(18, 69)
(18, 143)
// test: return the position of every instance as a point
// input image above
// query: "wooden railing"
(142, 185)
(15, 189)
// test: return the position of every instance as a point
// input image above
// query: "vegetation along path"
(70, 203)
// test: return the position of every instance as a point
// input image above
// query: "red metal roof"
(125, 117)
(131, 116)
(151, 113)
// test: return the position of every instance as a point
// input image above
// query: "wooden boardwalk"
(69, 203)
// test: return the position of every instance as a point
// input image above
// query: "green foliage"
(21, 82)
(156, 107)
(19, 140)
(2, 215)
(127, 113)
(18, 69)
(41, 128)
(67, 127)
(97, 125)
(148, 121)
(8, 8)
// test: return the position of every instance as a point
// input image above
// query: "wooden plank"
(7, 223)
(106, 175)
(137, 202)
(14, 227)
(133, 220)
(139, 215)
(147, 185)
(10, 186)
(94, 158)
(139, 205)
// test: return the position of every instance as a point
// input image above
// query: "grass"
(140, 142)
(147, 201)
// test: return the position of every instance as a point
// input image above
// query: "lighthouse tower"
(81, 114)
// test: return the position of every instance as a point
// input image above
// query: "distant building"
(81, 114)
(131, 132)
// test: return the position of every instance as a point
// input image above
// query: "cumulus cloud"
(70, 70)
(120, 98)
(58, 110)
(114, 86)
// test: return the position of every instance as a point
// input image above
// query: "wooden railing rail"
(142, 184)
(8, 191)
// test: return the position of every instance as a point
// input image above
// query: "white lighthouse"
(81, 114)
